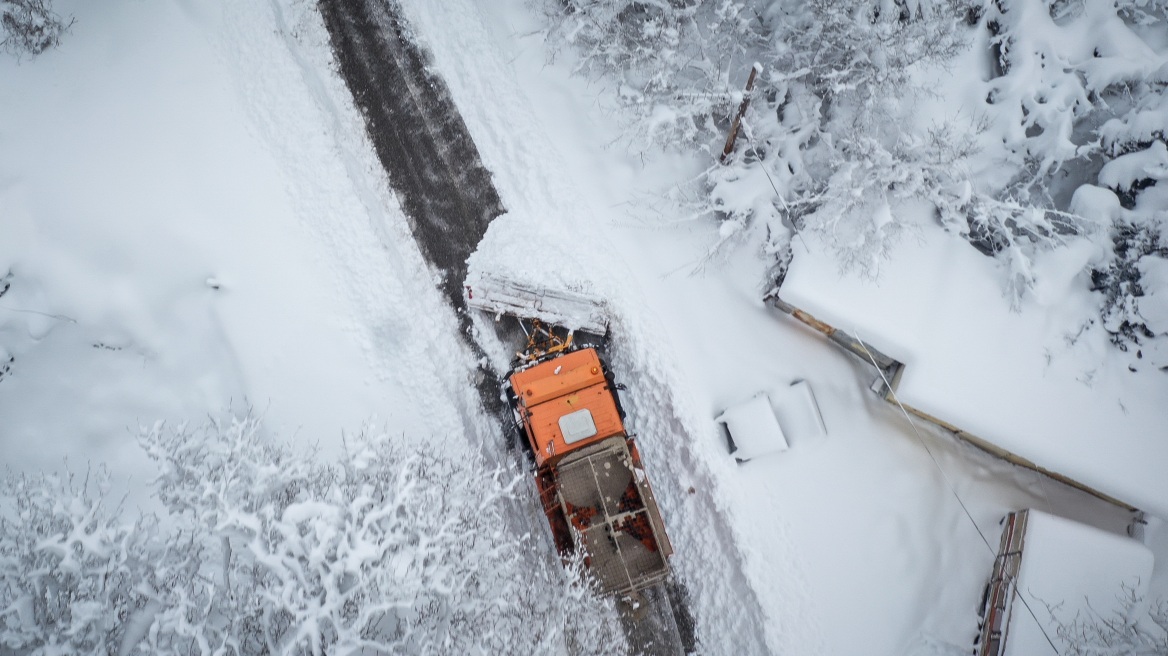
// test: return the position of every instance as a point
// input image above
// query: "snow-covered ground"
(193, 217)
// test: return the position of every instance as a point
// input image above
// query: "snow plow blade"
(558, 307)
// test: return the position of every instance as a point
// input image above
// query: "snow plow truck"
(588, 471)
(589, 475)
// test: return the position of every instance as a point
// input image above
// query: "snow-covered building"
(1039, 384)
(1050, 573)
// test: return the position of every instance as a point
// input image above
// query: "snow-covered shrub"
(856, 205)
(1143, 12)
(69, 567)
(676, 62)
(1135, 145)
(858, 55)
(31, 26)
(1138, 628)
(1132, 146)
(1057, 64)
(821, 120)
(1121, 281)
(1063, 68)
(1013, 230)
(391, 549)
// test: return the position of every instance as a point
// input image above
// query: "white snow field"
(193, 217)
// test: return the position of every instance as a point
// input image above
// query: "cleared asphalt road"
(449, 199)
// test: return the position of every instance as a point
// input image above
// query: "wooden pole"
(733, 136)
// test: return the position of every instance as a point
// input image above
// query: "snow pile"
(799, 414)
(753, 427)
(551, 302)
(774, 420)
(1123, 172)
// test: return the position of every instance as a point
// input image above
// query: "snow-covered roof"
(1074, 570)
(754, 428)
(1042, 382)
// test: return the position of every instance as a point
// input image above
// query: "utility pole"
(733, 136)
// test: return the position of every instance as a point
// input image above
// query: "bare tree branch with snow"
(31, 26)
(394, 548)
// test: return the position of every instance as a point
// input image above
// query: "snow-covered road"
(418, 135)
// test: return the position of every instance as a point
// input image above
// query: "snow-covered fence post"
(733, 136)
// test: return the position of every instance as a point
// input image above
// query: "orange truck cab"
(565, 403)
(592, 485)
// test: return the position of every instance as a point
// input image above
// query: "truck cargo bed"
(601, 496)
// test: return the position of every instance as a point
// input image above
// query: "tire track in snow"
(399, 313)
(423, 145)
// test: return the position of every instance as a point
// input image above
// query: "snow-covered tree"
(400, 550)
(68, 565)
(1073, 94)
(823, 145)
(1132, 199)
(676, 63)
(393, 548)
